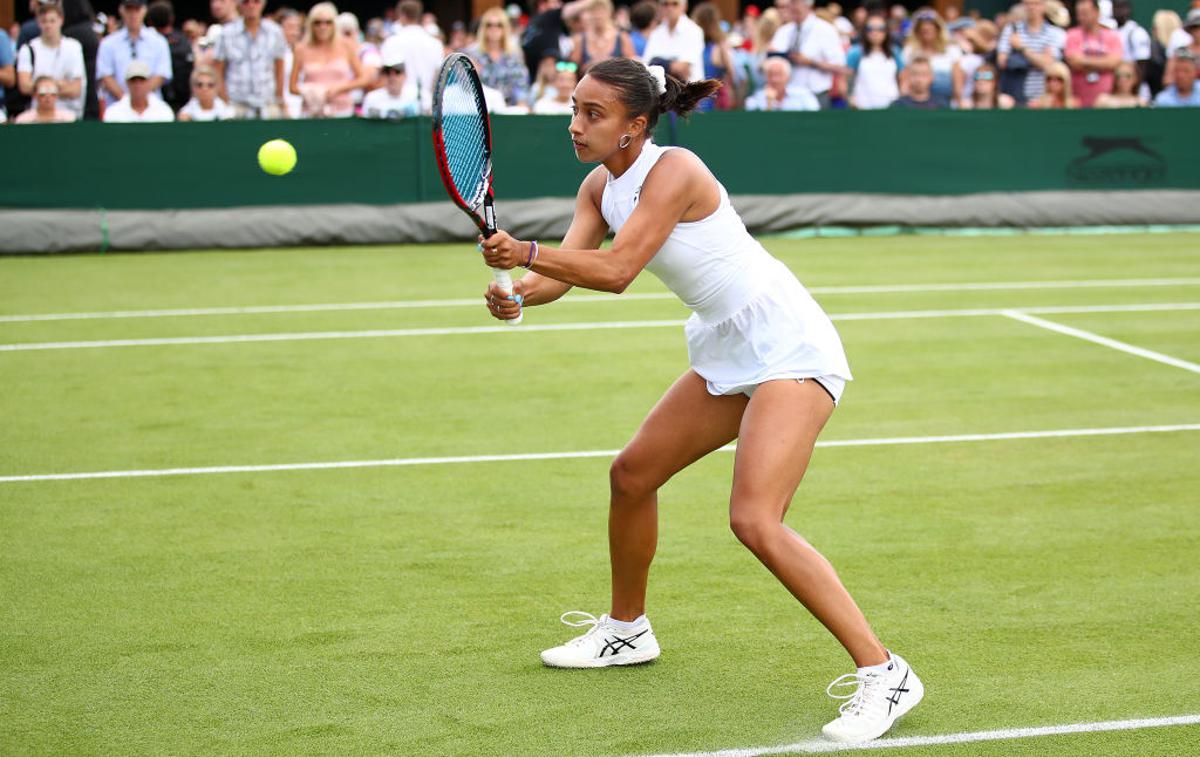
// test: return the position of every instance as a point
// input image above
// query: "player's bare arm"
(678, 189)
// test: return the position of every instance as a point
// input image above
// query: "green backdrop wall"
(193, 166)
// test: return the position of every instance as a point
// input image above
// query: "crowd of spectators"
(249, 61)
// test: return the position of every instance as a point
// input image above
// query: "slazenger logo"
(1119, 161)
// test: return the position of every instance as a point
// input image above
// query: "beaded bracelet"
(533, 253)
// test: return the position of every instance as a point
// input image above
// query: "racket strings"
(464, 134)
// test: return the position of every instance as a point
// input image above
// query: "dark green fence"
(180, 166)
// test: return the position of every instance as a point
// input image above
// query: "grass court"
(1009, 489)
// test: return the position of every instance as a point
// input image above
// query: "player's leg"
(776, 440)
(685, 425)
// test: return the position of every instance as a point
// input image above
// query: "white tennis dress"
(752, 320)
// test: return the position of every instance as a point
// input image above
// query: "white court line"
(537, 327)
(407, 461)
(1103, 340)
(584, 298)
(1003, 734)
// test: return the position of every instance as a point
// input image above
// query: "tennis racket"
(462, 143)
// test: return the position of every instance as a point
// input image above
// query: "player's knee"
(751, 529)
(629, 479)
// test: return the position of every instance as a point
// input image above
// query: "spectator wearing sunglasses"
(498, 59)
(1126, 89)
(1058, 90)
(45, 108)
(134, 42)
(395, 99)
(249, 63)
(876, 63)
(985, 92)
(327, 68)
(204, 104)
(558, 100)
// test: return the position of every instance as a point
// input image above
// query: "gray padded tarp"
(87, 230)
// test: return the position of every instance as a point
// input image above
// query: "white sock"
(882, 667)
(626, 625)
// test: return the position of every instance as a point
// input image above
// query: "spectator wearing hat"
(422, 53)
(1186, 38)
(1182, 91)
(778, 91)
(396, 99)
(557, 101)
(1027, 48)
(134, 41)
(204, 104)
(52, 55)
(1188, 35)
(46, 109)
(1092, 52)
(140, 104)
(813, 47)
(249, 63)
(920, 94)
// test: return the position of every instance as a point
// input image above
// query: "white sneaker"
(604, 644)
(878, 701)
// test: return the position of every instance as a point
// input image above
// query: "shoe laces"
(866, 689)
(583, 619)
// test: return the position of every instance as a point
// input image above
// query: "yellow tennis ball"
(277, 157)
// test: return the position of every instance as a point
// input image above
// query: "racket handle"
(504, 281)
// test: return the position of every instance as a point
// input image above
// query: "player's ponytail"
(645, 94)
(683, 97)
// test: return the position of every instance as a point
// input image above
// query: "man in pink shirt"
(1092, 52)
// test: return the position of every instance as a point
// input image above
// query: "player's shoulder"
(680, 163)
(594, 183)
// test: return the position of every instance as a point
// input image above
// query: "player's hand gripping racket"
(462, 142)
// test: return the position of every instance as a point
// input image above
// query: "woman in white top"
(767, 369)
(876, 67)
(205, 105)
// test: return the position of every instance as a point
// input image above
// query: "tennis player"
(767, 369)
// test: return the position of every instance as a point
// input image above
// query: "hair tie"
(660, 78)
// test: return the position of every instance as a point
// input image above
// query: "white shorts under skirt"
(781, 333)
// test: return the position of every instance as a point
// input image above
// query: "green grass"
(400, 610)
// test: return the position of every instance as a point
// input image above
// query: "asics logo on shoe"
(616, 643)
(894, 699)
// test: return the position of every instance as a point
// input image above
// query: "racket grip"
(504, 281)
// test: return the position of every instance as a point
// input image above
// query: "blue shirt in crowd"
(117, 49)
(1170, 98)
(7, 56)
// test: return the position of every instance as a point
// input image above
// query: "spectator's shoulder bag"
(1016, 69)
